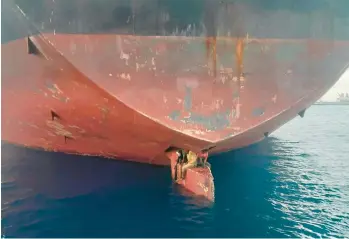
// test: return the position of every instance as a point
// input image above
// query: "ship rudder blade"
(198, 179)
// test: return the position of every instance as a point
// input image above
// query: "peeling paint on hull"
(131, 97)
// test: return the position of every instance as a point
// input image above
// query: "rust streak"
(211, 50)
(239, 54)
(214, 52)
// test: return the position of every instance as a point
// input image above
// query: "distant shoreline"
(332, 103)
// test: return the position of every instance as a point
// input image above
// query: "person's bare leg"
(179, 172)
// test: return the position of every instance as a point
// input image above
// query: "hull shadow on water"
(57, 195)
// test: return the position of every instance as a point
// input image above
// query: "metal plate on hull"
(132, 96)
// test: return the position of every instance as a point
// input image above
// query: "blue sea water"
(293, 184)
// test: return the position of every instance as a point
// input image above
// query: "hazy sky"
(342, 86)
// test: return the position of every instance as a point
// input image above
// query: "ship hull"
(132, 96)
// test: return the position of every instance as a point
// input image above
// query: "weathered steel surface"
(130, 85)
(197, 180)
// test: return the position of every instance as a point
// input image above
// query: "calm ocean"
(293, 184)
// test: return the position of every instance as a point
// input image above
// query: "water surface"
(294, 184)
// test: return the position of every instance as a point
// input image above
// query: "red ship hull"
(132, 97)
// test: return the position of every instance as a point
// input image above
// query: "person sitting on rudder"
(192, 162)
(181, 153)
(202, 158)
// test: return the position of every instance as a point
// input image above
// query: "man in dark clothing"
(203, 156)
(182, 159)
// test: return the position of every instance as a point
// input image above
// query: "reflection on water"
(294, 184)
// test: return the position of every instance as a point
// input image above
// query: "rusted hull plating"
(127, 96)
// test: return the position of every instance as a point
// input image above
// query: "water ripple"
(294, 184)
